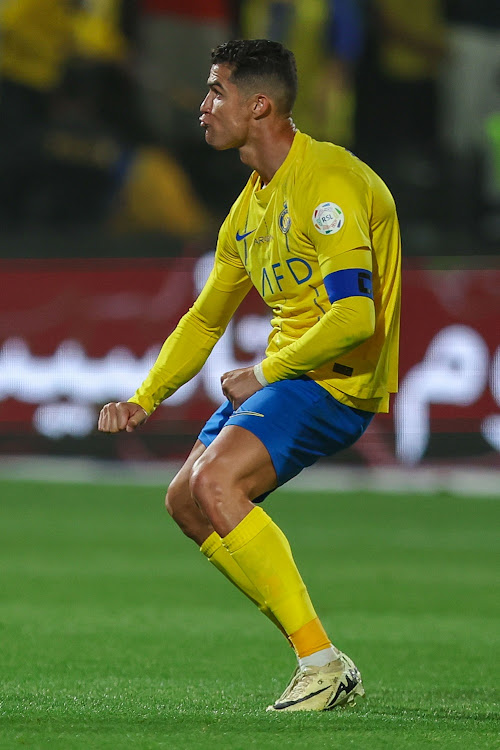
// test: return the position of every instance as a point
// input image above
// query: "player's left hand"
(238, 385)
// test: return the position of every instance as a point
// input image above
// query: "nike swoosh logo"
(244, 413)
(301, 700)
(240, 237)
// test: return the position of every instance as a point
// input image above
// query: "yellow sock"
(263, 553)
(217, 554)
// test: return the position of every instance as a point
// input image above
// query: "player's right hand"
(124, 415)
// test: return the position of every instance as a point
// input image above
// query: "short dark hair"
(255, 62)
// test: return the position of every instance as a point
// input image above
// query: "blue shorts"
(297, 420)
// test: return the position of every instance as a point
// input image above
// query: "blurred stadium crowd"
(99, 100)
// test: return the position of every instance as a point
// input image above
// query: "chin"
(217, 146)
(221, 147)
(218, 143)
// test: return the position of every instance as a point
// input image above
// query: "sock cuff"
(211, 544)
(310, 638)
(246, 530)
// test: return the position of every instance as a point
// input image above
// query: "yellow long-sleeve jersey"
(321, 245)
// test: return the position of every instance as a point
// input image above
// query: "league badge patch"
(328, 218)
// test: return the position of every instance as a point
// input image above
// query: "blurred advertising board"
(75, 334)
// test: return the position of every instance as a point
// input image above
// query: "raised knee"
(211, 484)
(175, 497)
(169, 502)
(185, 512)
(205, 483)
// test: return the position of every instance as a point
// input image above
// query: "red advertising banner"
(76, 334)
(450, 359)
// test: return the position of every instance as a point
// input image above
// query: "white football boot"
(322, 688)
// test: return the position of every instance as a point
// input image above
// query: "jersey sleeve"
(187, 348)
(335, 217)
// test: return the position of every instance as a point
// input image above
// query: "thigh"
(291, 424)
(242, 463)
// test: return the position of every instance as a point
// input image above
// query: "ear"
(262, 106)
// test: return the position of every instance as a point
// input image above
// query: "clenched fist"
(123, 415)
(238, 385)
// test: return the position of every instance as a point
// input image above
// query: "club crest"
(285, 220)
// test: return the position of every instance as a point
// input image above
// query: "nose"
(205, 105)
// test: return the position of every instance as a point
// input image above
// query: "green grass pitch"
(116, 633)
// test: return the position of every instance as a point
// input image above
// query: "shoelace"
(302, 680)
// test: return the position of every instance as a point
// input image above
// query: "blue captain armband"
(350, 282)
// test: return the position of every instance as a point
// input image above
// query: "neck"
(267, 152)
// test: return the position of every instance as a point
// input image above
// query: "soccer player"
(315, 231)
